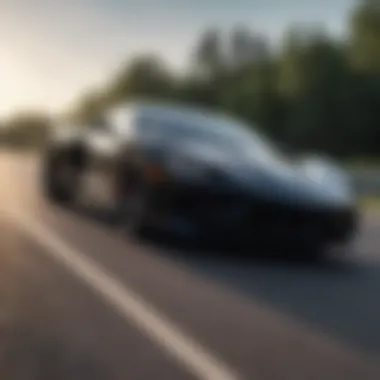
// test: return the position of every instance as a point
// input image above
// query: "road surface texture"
(80, 301)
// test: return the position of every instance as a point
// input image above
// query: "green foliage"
(144, 76)
(208, 56)
(90, 107)
(27, 129)
(315, 93)
(365, 42)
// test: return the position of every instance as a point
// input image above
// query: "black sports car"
(199, 173)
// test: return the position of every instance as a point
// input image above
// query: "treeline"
(25, 130)
(312, 92)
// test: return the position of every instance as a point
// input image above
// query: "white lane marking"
(130, 305)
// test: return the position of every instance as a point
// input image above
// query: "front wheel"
(135, 209)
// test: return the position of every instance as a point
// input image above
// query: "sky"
(53, 50)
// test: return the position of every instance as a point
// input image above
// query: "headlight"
(332, 178)
(323, 173)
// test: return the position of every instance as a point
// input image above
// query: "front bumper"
(230, 214)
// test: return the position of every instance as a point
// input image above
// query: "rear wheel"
(59, 179)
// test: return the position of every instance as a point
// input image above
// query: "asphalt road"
(81, 301)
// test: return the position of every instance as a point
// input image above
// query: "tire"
(135, 210)
(54, 188)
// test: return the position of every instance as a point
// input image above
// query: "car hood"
(312, 181)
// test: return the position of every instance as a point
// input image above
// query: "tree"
(26, 129)
(209, 57)
(146, 75)
(315, 93)
(313, 74)
(290, 80)
(246, 48)
(91, 106)
(364, 47)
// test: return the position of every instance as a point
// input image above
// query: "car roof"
(181, 115)
(168, 111)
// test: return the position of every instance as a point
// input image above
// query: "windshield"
(220, 132)
(225, 133)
